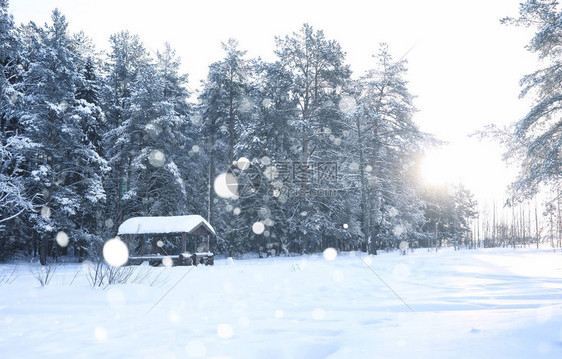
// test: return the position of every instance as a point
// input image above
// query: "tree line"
(289, 156)
(532, 213)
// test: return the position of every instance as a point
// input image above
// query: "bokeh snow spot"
(157, 158)
(195, 149)
(109, 223)
(398, 230)
(62, 239)
(63, 105)
(266, 161)
(271, 173)
(226, 185)
(115, 252)
(45, 212)
(392, 212)
(225, 331)
(330, 254)
(243, 163)
(236, 211)
(196, 349)
(160, 244)
(345, 226)
(318, 314)
(196, 120)
(368, 168)
(368, 260)
(153, 130)
(267, 103)
(258, 227)
(279, 314)
(100, 334)
(403, 246)
(173, 317)
(87, 265)
(245, 106)
(347, 104)
(264, 211)
(167, 262)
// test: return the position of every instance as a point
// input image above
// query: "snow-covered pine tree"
(10, 74)
(187, 150)
(386, 140)
(65, 168)
(537, 136)
(126, 59)
(14, 199)
(317, 73)
(226, 106)
(158, 143)
(267, 138)
(89, 83)
(448, 212)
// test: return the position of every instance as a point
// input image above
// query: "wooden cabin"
(142, 235)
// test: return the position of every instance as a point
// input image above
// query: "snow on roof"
(173, 224)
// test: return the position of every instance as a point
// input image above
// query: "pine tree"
(65, 168)
(226, 106)
(317, 70)
(14, 199)
(187, 148)
(126, 59)
(537, 135)
(386, 140)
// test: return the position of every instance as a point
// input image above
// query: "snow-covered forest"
(319, 159)
(291, 215)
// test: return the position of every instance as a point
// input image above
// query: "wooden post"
(128, 242)
(183, 243)
(195, 244)
(207, 243)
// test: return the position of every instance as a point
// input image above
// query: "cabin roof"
(162, 225)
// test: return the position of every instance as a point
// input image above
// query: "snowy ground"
(467, 304)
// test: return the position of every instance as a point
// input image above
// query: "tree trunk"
(43, 249)
(537, 232)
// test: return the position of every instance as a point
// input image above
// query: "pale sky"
(464, 66)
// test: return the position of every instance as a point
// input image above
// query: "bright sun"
(472, 163)
(438, 167)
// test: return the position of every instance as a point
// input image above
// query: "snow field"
(466, 304)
